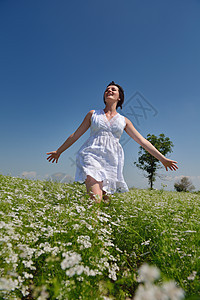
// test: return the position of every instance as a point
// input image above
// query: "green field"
(55, 243)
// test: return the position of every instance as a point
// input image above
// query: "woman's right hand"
(53, 156)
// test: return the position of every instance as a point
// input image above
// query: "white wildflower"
(113, 223)
(79, 208)
(5, 239)
(27, 275)
(71, 272)
(71, 259)
(89, 227)
(84, 240)
(2, 224)
(105, 215)
(46, 246)
(102, 219)
(20, 280)
(112, 271)
(59, 197)
(27, 252)
(13, 257)
(121, 250)
(148, 273)
(150, 292)
(55, 250)
(192, 276)
(28, 264)
(25, 290)
(38, 253)
(172, 291)
(146, 242)
(109, 243)
(80, 278)
(43, 229)
(78, 269)
(76, 226)
(67, 282)
(69, 244)
(8, 284)
(90, 272)
(103, 230)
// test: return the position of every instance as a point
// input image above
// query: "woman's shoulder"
(95, 111)
(91, 112)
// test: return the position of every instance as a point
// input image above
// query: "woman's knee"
(91, 181)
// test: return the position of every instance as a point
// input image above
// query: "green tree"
(149, 163)
(184, 185)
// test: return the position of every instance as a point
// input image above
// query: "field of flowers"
(55, 243)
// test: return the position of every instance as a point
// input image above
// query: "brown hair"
(121, 94)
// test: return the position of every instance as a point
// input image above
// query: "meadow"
(56, 243)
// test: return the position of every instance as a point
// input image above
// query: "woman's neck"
(110, 108)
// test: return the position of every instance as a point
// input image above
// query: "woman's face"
(112, 92)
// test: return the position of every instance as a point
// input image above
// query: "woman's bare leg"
(94, 188)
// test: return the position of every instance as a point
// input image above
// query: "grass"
(55, 243)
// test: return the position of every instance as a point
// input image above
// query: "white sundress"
(102, 156)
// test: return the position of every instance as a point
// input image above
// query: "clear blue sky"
(56, 58)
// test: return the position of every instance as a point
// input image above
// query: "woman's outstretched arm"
(54, 155)
(134, 134)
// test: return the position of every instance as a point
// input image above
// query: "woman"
(101, 158)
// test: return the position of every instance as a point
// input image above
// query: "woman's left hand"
(171, 164)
